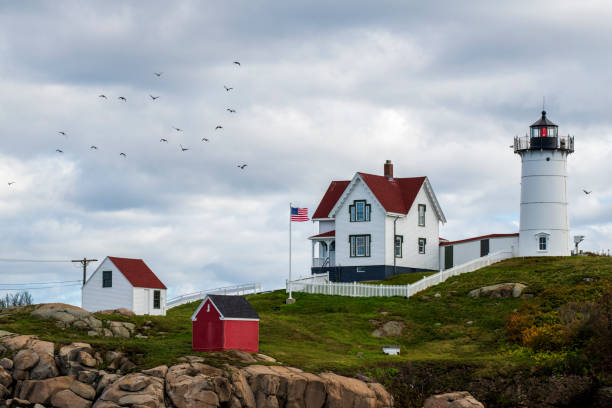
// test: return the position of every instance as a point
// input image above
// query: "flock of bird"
(162, 140)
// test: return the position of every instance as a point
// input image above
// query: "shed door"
(484, 247)
(448, 257)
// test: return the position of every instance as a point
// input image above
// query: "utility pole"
(84, 262)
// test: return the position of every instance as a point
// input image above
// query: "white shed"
(127, 283)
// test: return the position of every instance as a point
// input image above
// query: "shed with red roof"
(124, 283)
(223, 322)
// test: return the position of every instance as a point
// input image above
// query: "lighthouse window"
(542, 243)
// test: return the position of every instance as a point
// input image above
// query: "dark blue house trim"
(372, 272)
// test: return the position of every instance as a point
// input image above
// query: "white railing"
(227, 290)
(320, 284)
(329, 260)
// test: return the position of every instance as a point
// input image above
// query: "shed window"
(422, 215)
(422, 243)
(484, 247)
(107, 279)
(156, 299)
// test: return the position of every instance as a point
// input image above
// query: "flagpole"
(290, 286)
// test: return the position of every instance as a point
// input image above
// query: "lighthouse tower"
(544, 229)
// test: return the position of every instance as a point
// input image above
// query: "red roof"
(395, 195)
(137, 272)
(333, 193)
(331, 233)
(445, 243)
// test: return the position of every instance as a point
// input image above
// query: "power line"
(38, 283)
(32, 260)
(42, 287)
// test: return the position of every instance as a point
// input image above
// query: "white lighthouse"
(544, 229)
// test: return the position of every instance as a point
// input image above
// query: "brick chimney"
(389, 170)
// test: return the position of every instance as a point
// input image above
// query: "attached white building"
(454, 253)
(127, 283)
(372, 227)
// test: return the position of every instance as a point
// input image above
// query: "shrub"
(17, 299)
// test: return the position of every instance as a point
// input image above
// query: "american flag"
(299, 214)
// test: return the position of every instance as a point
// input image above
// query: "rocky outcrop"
(68, 316)
(460, 399)
(389, 329)
(499, 291)
(121, 311)
(71, 378)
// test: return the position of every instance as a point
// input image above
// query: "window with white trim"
(156, 299)
(399, 240)
(542, 243)
(422, 209)
(360, 245)
(360, 211)
(422, 243)
(107, 279)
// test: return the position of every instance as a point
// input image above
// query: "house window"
(107, 279)
(359, 211)
(542, 240)
(156, 299)
(399, 240)
(421, 215)
(360, 269)
(422, 242)
(360, 245)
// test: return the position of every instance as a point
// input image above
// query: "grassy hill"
(549, 329)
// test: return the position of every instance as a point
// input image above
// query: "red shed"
(224, 322)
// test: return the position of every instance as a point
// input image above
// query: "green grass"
(334, 333)
(402, 278)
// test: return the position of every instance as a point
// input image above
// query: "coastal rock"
(5, 377)
(499, 291)
(460, 399)
(41, 391)
(45, 368)
(159, 371)
(148, 392)
(25, 359)
(348, 392)
(6, 363)
(391, 328)
(68, 399)
(121, 311)
(191, 385)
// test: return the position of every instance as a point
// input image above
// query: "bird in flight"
(184, 149)
(102, 96)
(59, 151)
(237, 63)
(62, 133)
(231, 110)
(227, 89)
(122, 154)
(242, 166)
(122, 98)
(10, 183)
(219, 127)
(163, 140)
(587, 192)
(204, 139)
(94, 147)
(154, 97)
(158, 74)
(177, 129)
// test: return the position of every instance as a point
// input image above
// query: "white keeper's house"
(375, 226)
(372, 227)
(124, 283)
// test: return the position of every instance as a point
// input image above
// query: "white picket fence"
(227, 290)
(320, 284)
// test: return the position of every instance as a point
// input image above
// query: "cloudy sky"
(324, 89)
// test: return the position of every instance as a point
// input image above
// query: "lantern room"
(544, 127)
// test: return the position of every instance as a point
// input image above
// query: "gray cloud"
(324, 90)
